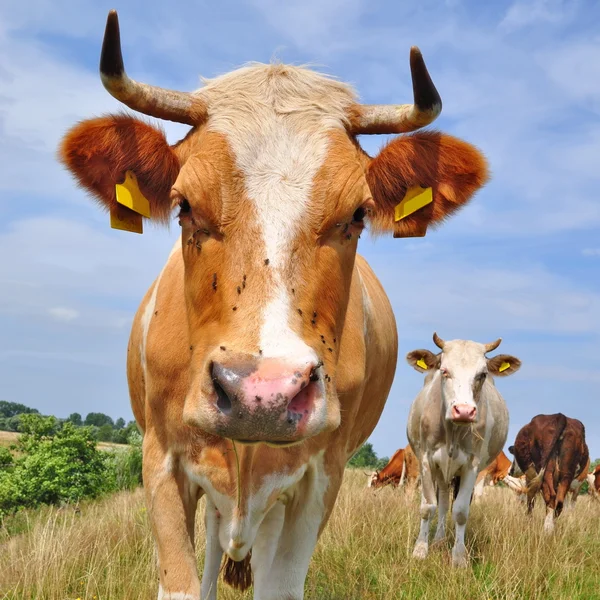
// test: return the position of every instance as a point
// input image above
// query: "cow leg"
(428, 507)
(265, 546)
(171, 500)
(549, 494)
(478, 490)
(443, 504)
(213, 554)
(287, 538)
(460, 514)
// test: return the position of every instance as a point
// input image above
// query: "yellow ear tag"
(126, 220)
(503, 367)
(421, 363)
(129, 195)
(415, 198)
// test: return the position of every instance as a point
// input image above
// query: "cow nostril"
(223, 401)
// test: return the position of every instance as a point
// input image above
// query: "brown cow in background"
(403, 466)
(492, 474)
(551, 451)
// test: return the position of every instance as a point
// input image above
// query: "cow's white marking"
(237, 529)
(281, 573)
(162, 595)
(213, 553)
(276, 120)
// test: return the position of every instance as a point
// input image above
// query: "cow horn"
(492, 346)
(438, 341)
(181, 107)
(401, 118)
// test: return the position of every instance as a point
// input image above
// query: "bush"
(127, 464)
(56, 464)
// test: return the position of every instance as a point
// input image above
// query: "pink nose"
(464, 413)
(268, 401)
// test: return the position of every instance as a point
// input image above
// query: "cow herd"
(457, 427)
(261, 357)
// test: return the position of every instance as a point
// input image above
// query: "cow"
(551, 452)
(403, 466)
(593, 480)
(457, 425)
(495, 472)
(261, 357)
(579, 480)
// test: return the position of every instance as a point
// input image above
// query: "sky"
(519, 79)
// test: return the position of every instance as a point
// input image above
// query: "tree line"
(101, 426)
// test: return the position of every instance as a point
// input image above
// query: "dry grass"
(106, 552)
(7, 438)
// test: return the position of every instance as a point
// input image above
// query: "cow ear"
(503, 365)
(434, 171)
(100, 152)
(423, 360)
(511, 449)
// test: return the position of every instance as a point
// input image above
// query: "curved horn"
(400, 118)
(181, 107)
(438, 341)
(492, 346)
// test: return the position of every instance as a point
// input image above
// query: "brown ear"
(99, 152)
(503, 365)
(454, 170)
(431, 360)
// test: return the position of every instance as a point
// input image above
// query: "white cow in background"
(457, 425)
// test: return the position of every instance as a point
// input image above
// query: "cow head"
(373, 478)
(515, 470)
(272, 192)
(463, 368)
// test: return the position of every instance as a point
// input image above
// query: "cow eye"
(359, 215)
(184, 206)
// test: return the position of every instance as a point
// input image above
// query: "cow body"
(402, 467)
(551, 452)
(495, 472)
(262, 356)
(457, 425)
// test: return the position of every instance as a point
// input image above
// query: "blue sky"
(520, 79)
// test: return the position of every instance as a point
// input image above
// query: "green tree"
(98, 419)
(76, 419)
(105, 433)
(120, 423)
(365, 457)
(11, 409)
(53, 465)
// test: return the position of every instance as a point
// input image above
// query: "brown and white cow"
(495, 472)
(551, 452)
(457, 425)
(402, 467)
(593, 480)
(262, 356)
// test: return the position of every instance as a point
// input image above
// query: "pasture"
(106, 552)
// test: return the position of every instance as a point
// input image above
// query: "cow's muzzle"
(463, 413)
(272, 402)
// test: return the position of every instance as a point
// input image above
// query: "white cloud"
(62, 313)
(525, 13)
(591, 252)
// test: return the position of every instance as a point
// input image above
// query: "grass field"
(106, 552)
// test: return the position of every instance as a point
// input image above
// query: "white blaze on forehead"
(464, 360)
(276, 120)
